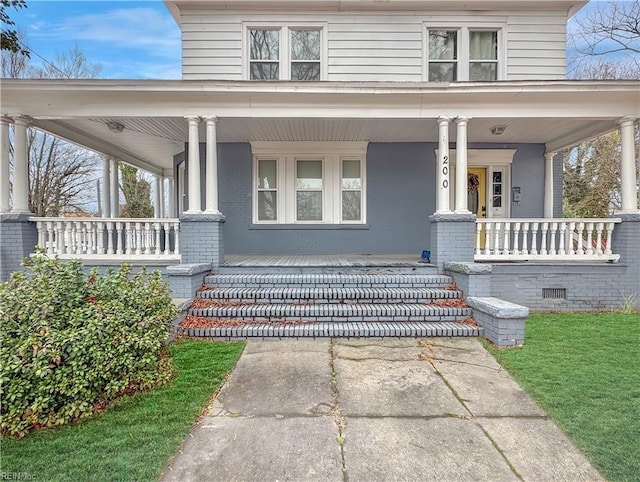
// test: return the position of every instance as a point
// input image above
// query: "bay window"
(309, 183)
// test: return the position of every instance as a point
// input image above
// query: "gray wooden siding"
(370, 47)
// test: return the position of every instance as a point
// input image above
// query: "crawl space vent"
(554, 293)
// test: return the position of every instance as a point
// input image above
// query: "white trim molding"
(332, 155)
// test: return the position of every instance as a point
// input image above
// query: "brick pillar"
(626, 243)
(18, 238)
(202, 238)
(452, 238)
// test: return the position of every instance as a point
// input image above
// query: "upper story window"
(285, 53)
(462, 53)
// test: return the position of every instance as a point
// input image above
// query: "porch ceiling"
(556, 113)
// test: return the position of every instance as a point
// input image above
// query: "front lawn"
(584, 371)
(134, 439)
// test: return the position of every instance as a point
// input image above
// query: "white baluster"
(90, 241)
(610, 227)
(552, 238)
(599, 228)
(50, 238)
(496, 239)
(100, 237)
(516, 243)
(563, 228)
(487, 237)
(59, 237)
(138, 239)
(478, 238)
(166, 238)
(147, 237)
(119, 235)
(176, 236)
(157, 227)
(525, 240)
(580, 250)
(505, 247)
(589, 238)
(543, 239)
(129, 237)
(534, 239)
(109, 237)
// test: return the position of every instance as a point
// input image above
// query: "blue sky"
(130, 39)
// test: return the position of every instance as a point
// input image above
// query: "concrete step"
(324, 280)
(330, 295)
(331, 312)
(331, 329)
(425, 269)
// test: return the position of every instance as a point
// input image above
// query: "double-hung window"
(309, 183)
(462, 53)
(285, 52)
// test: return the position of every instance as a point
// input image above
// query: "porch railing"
(508, 239)
(100, 239)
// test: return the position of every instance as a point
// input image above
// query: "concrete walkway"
(374, 410)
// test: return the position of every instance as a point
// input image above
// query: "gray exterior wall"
(18, 238)
(590, 287)
(400, 199)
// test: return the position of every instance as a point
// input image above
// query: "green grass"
(134, 439)
(584, 371)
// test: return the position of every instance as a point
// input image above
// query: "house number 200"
(445, 171)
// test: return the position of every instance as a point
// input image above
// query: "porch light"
(498, 130)
(115, 126)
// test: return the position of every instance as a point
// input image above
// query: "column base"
(202, 238)
(18, 239)
(452, 237)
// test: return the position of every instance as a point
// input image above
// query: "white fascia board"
(557, 99)
(84, 139)
(375, 5)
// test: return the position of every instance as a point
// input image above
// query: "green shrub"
(72, 343)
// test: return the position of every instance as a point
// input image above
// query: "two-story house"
(354, 127)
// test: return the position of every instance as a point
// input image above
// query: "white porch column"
(4, 165)
(157, 209)
(461, 166)
(628, 174)
(548, 184)
(212, 167)
(443, 166)
(106, 187)
(195, 201)
(172, 199)
(20, 167)
(115, 189)
(163, 208)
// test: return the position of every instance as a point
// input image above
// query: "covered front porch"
(415, 147)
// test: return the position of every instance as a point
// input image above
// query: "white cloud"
(138, 28)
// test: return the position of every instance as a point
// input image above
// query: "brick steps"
(296, 303)
(335, 312)
(334, 329)
(324, 280)
(320, 295)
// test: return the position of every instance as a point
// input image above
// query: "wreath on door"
(473, 183)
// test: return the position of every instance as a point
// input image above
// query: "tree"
(605, 46)
(61, 174)
(9, 39)
(137, 193)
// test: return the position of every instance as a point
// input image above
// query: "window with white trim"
(285, 52)
(463, 53)
(309, 183)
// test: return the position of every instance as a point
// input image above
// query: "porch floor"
(325, 260)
